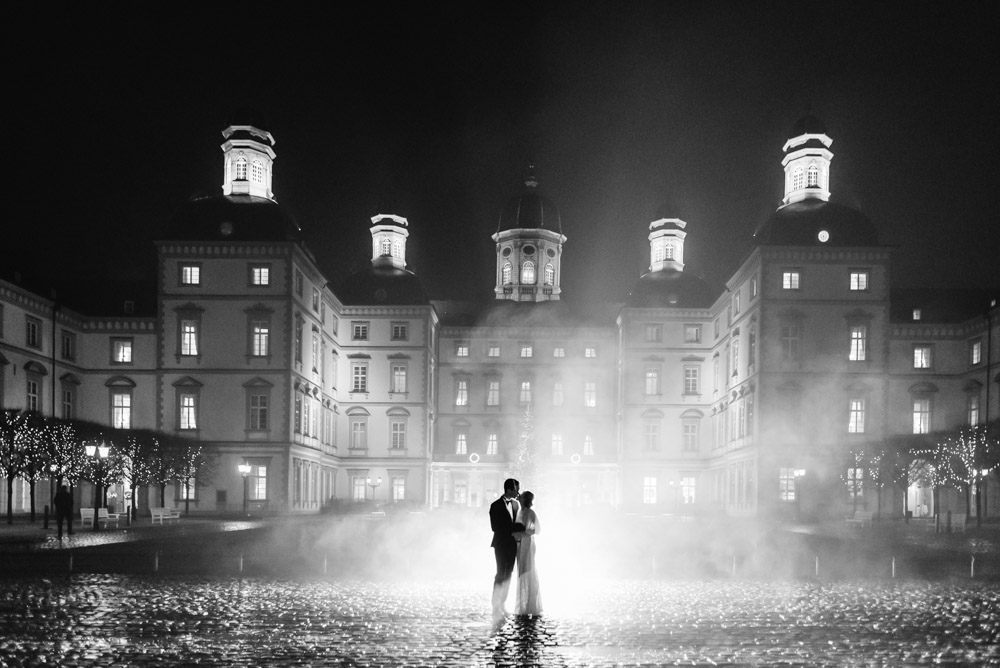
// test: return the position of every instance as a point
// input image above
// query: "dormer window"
(528, 273)
(241, 168)
(258, 171)
(916, 314)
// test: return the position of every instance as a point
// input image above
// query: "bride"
(529, 599)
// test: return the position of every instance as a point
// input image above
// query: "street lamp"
(244, 470)
(373, 485)
(98, 453)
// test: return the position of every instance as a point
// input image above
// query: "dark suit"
(504, 548)
(63, 502)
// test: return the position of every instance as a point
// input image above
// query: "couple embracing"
(514, 525)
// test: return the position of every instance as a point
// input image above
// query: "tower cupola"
(529, 243)
(666, 244)
(249, 157)
(389, 235)
(807, 162)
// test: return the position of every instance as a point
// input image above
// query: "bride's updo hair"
(527, 499)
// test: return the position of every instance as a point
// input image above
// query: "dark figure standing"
(503, 512)
(64, 510)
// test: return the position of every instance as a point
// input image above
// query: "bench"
(103, 516)
(859, 520)
(940, 523)
(958, 522)
(164, 514)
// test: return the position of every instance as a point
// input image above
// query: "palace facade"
(747, 398)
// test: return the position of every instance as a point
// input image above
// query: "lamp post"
(98, 453)
(373, 485)
(244, 469)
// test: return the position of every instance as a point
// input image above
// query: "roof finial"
(529, 178)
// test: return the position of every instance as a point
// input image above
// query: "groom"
(503, 512)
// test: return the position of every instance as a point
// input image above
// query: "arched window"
(812, 178)
(658, 253)
(550, 274)
(507, 271)
(528, 273)
(386, 246)
(669, 251)
(258, 172)
(797, 177)
(241, 168)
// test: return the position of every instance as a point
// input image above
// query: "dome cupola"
(666, 244)
(249, 157)
(529, 243)
(389, 235)
(807, 162)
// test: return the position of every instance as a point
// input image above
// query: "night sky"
(432, 110)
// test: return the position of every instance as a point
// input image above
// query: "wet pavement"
(104, 620)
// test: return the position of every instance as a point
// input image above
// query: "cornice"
(249, 249)
(825, 254)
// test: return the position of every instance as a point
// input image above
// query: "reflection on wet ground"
(99, 620)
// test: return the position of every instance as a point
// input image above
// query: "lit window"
(654, 333)
(493, 393)
(398, 435)
(359, 377)
(121, 351)
(972, 409)
(692, 333)
(461, 349)
(557, 444)
(528, 273)
(257, 171)
(916, 314)
(976, 352)
(797, 178)
(658, 253)
(397, 248)
(189, 337)
(859, 280)
(121, 409)
(856, 417)
(921, 357)
(668, 252)
(461, 443)
(690, 437)
(461, 392)
(590, 395)
(386, 246)
(812, 176)
(588, 445)
(590, 352)
(855, 482)
(260, 275)
(188, 412)
(399, 331)
(558, 397)
(507, 273)
(859, 343)
(260, 334)
(789, 280)
(359, 331)
(399, 378)
(398, 488)
(525, 396)
(921, 416)
(190, 274)
(550, 274)
(558, 351)
(692, 380)
(493, 350)
(650, 437)
(241, 168)
(649, 490)
(652, 380)
(526, 350)
(786, 484)
(492, 443)
(257, 483)
(753, 287)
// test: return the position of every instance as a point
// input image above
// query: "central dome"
(817, 223)
(530, 209)
(233, 218)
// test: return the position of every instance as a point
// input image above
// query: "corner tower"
(248, 161)
(807, 162)
(529, 243)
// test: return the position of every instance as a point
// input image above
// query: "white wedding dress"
(529, 598)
